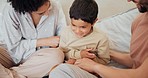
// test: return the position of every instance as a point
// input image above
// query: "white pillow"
(1, 32)
(0, 26)
(118, 28)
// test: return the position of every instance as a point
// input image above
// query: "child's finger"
(91, 55)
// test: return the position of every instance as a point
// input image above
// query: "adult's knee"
(57, 54)
(54, 55)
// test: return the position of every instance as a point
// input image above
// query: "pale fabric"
(72, 45)
(1, 32)
(69, 71)
(6, 73)
(139, 41)
(118, 29)
(20, 34)
(37, 66)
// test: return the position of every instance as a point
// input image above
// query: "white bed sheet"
(118, 29)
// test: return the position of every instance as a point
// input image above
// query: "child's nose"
(77, 30)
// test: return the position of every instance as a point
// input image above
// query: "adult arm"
(16, 44)
(109, 72)
(50, 41)
(121, 58)
(60, 23)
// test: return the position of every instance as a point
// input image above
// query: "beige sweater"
(72, 45)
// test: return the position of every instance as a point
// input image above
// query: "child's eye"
(83, 27)
(73, 25)
(41, 13)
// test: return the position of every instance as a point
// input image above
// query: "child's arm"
(83, 54)
(78, 54)
(103, 52)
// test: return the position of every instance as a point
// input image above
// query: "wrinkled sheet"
(118, 29)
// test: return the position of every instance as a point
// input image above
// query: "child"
(80, 38)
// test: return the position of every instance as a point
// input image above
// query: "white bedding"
(118, 28)
(1, 32)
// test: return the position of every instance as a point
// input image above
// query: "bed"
(115, 19)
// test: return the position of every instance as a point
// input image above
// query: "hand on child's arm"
(86, 64)
(50, 41)
(71, 61)
(86, 54)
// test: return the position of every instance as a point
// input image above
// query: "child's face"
(81, 28)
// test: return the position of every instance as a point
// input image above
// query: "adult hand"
(86, 64)
(71, 61)
(54, 41)
(50, 41)
(86, 54)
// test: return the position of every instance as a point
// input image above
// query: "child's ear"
(95, 21)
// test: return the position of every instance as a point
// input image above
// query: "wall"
(106, 7)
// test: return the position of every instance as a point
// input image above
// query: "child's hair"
(86, 10)
(23, 6)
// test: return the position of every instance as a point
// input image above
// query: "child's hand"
(86, 54)
(71, 61)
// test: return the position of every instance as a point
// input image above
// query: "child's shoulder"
(98, 32)
(66, 29)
